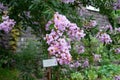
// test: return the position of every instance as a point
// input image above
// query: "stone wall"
(24, 38)
(102, 20)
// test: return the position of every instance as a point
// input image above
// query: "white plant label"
(50, 62)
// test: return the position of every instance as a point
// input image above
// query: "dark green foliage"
(6, 74)
(29, 61)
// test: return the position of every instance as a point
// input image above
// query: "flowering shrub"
(79, 47)
(7, 24)
(5, 28)
(105, 38)
(59, 46)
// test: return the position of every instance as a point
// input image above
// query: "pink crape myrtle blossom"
(4, 18)
(59, 46)
(117, 29)
(80, 49)
(107, 27)
(52, 36)
(60, 49)
(61, 22)
(117, 50)
(75, 64)
(7, 24)
(97, 57)
(93, 23)
(116, 5)
(64, 49)
(90, 24)
(47, 25)
(3, 7)
(68, 1)
(85, 63)
(104, 38)
(117, 77)
(74, 32)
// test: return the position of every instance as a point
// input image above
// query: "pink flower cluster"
(74, 32)
(116, 5)
(75, 64)
(7, 24)
(107, 27)
(97, 57)
(80, 49)
(117, 50)
(2, 7)
(58, 45)
(68, 1)
(117, 29)
(117, 77)
(85, 63)
(62, 24)
(105, 38)
(90, 24)
(93, 23)
(60, 49)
